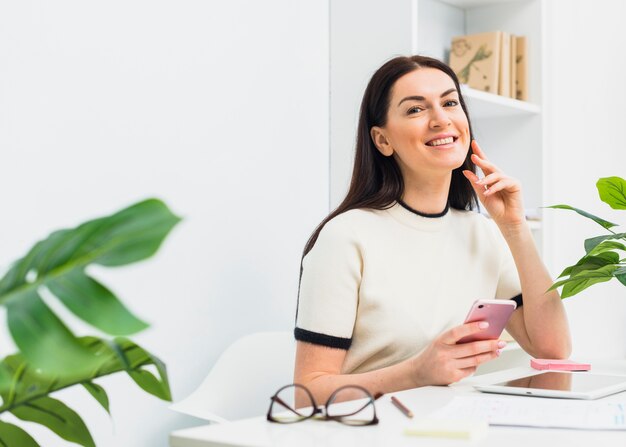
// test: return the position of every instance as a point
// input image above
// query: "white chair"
(244, 378)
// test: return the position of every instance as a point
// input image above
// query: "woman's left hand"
(500, 194)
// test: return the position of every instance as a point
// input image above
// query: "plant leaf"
(130, 235)
(621, 278)
(58, 417)
(138, 358)
(591, 263)
(30, 383)
(13, 436)
(584, 279)
(591, 243)
(43, 337)
(135, 233)
(605, 246)
(98, 393)
(578, 285)
(5, 380)
(604, 223)
(102, 309)
(620, 271)
(612, 190)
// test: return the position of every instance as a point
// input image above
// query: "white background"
(585, 107)
(221, 109)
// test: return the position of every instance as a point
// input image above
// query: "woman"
(388, 277)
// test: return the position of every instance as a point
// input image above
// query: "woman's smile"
(445, 141)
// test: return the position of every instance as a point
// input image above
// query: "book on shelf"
(504, 85)
(513, 67)
(494, 62)
(521, 71)
(476, 60)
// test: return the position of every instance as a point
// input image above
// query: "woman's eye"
(451, 103)
(414, 109)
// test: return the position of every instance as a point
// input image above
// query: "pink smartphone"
(495, 312)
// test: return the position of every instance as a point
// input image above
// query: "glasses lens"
(352, 406)
(292, 404)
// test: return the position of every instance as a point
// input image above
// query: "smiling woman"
(428, 132)
(388, 276)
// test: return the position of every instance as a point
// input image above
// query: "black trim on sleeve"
(518, 300)
(322, 339)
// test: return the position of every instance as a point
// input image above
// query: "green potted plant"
(50, 356)
(604, 255)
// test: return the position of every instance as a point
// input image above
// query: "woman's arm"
(319, 369)
(441, 363)
(540, 326)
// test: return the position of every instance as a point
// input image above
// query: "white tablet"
(566, 385)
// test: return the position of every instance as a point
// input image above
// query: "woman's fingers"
(483, 186)
(480, 159)
(477, 150)
(506, 183)
(477, 347)
(490, 179)
(484, 164)
(476, 360)
(473, 178)
(478, 156)
(451, 336)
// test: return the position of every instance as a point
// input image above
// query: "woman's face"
(426, 131)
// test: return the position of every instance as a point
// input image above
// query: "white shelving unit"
(366, 33)
(487, 105)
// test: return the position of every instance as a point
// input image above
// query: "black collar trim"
(419, 213)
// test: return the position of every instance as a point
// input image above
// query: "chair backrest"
(244, 377)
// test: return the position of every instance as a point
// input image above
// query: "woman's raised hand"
(444, 361)
(500, 194)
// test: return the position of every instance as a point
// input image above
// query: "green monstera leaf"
(27, 394)
(58, 265)
(51, 357)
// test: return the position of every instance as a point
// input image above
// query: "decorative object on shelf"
(51, 358)
(493, 62)
(602, 261)
(476, 60)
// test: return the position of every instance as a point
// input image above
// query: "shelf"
(469, 4)
(487, 105)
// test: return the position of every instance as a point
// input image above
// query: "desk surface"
(257, 432)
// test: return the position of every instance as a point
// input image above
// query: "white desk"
(257, 432)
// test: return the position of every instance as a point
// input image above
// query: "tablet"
(562, 384)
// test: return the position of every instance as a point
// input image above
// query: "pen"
(400, 406)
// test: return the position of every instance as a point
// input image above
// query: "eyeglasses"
(349, 404)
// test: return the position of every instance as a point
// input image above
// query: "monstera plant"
(604, 257)
(50, 356)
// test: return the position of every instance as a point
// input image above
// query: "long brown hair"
(376, 179)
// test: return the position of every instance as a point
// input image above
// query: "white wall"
(218, 107)
(370, 37)
(585, 97)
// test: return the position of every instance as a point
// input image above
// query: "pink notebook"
(559, 365)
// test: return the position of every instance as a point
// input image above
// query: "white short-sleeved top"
(384, 283)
